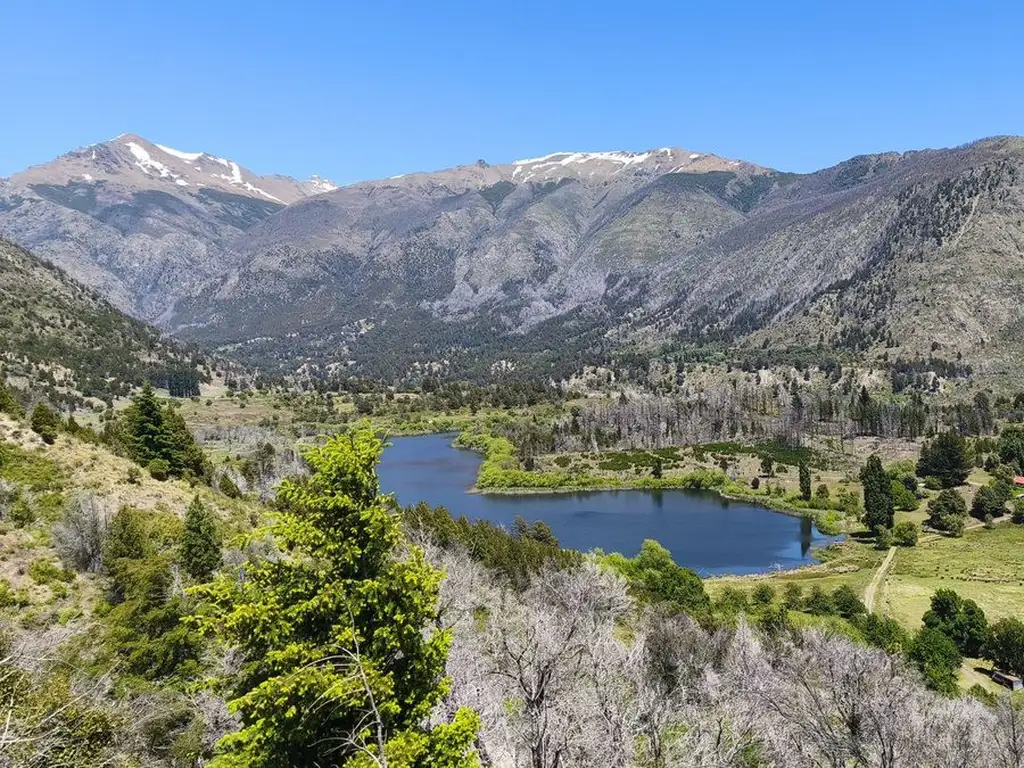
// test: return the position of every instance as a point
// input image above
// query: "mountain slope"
(569, 257)
(143, 223)
(56, 332)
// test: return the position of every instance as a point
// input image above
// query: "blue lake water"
(702, 531)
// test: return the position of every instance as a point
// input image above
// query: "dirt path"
(877, 579)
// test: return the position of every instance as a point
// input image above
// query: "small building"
(1019, 481)
(1010, 681)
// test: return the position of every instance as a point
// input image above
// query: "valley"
(643, 408)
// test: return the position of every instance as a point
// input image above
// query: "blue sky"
(372, 89)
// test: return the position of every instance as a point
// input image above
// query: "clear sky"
(375, 88)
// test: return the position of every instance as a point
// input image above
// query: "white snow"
(322, 185)
(87, 177)
(694, 156)
(187, 156)
(148, 164)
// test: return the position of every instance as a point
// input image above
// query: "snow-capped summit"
(132, 162)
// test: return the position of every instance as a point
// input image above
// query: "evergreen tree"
(805, 481)
(337, 668)
(145, 433)
(945, 458)
(200, 544)
(878, 501)
(45, 423)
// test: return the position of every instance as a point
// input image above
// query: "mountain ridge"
(643, 248)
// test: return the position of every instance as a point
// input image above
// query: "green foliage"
(938, 658)
(158, 469)
(903, 498)
(878, 497)
(948, 512)
(331, 629)
(988, 502)
(43, 570)
(945, 458)
(655, 576)
(767, 466)
(517, 556)
(145, 630)
(886, 633)
(818, 602)
(1006, 645)
(200, 543)
(846, 603)
(905, 534)
(805, 481)
(45, 422)
(148, 432)
(125, 541)
(883, 538)
(962, 621)
(1011, 448)
(228, 487)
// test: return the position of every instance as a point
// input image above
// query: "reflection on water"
(702, 530)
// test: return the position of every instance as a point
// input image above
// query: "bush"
(763, 594)
(988, 502)
(793, 596)
(933, 483)
(755, 483)
(905, 534)
(80, 533)
(883, 538)
(45, 423)
(22, 514)
(228, 487)
(158, 469)
(134, 475)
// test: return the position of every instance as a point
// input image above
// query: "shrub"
(158, 469)
(134, 475)
(45, 423)
(755, 483)
(22, 513)
(793, 596)
(818, 602)
(933, 483)
(228, 487)
(905, 534)
(763, 594)
(883, 538)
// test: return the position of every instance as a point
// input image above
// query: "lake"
(703, 531)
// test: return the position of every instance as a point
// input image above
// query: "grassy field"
(986, 566)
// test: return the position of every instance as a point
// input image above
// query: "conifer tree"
(879, 509)
(805, 481)
(200, 544)
(45, 423)
(337, 668)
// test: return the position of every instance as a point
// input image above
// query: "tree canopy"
(337, 666)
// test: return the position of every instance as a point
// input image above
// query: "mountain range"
(549, 262)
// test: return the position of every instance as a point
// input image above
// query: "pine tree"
(200, 544)
(879, 509)
(337, 668)
(45, 423)
(144, 427)
(945, 457)
(805, 481)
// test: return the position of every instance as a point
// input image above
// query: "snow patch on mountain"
(187, 156)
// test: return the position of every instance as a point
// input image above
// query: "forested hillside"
(61, 338)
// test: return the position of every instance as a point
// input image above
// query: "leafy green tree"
(793, 596)
(805, 481)
(878, 501)
(945, 458)
(763, 594)
(886, 633)
(45, 422)
(337, 668)
(655, 576)
(200, 544)
(938, 658)
(988, 502)
(905, 534)
(903, 498)
(1011, 448)
(1005, 645)
(960, 620)
(818, 603)
(947, 512)
(1018, 510)
(821, 496)
(846, 602)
